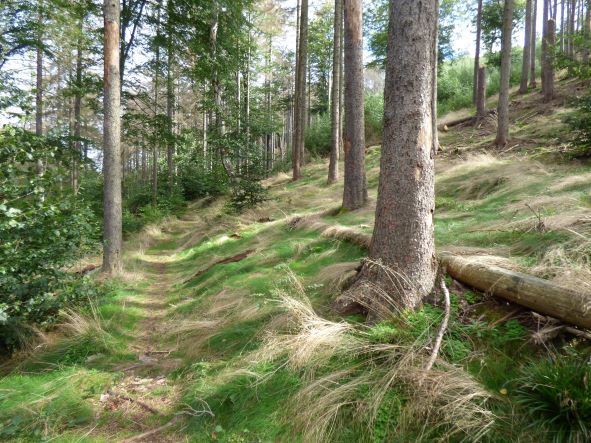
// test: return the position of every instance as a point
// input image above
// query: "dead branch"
(442, 327)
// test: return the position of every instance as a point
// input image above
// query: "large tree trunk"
(402, 261)
(355, 188)
(526, 48)
(562, 26)
(481, 95)
(333, 166)
(532, 61)
(586, 33)
(503, 105)
(477, 53)
(39, 82)
(544, 59)
(112, 143)
(268, 81)
(156, 109)
(77, 111)
(549, 63)
(170, 102)
(300, 92)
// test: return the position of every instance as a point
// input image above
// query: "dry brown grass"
(445, 399)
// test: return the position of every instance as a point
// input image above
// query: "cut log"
(535, 293)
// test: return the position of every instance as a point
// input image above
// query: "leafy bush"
(43, 230)
(246, 194)
(374, 118)
(557, 395)
(319, 136)
(580, 124)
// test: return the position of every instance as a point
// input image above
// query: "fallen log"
(539, 295)
(460, 121)
(535, 293)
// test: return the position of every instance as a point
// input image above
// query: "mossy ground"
(178, 329)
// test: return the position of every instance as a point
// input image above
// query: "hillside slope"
(221, 330)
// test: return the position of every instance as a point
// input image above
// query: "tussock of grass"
(348, 375)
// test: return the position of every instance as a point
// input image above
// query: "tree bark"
(481, 96)
(402, 251)
(526, 48)
(549, 63)
(544, 58)
(333, 166)
(300, 95)
(537, 294)
(39, 83)
(77, 112)
(562, 26)
(355, 187)
(477, 53)
(586, 33)
(170, 101)
(532, 61)
(156, 110)
(112, 142)
(503, 105)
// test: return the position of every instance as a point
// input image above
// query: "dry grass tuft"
(336, 277)
(310, 340)
(445, 401)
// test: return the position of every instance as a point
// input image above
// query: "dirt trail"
(145, 394)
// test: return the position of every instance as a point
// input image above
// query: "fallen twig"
(146, 406)
(153, 431)
(442, 327)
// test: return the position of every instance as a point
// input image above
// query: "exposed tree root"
(223, 261)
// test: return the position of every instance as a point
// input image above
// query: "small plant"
(557, 395)
(580, 124)
(247, 194)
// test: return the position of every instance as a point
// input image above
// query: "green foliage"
(43, 230)
(556, 394)
(318, 135)
(376, 17)
(580, 124)
(492, 25)
(247, 194)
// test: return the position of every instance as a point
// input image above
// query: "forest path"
(146, 395)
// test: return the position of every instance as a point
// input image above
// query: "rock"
(104, 398)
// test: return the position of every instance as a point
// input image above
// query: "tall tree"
(503, 105)
(477, 52)
(333, 167)
(170, 95)
(300, 92)
(112, 236)
(532, 60)
(548, 86)
(155, 147)
(402, 252)
(355, 187)
(526, 48)
(544, 58)
(39, 80)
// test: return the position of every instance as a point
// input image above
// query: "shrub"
(43, 230)
(319, 137)
(580, 123)
(246, 194)
(557, 394)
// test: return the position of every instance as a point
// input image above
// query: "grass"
(254, 342)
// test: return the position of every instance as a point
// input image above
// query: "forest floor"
(220, 329)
